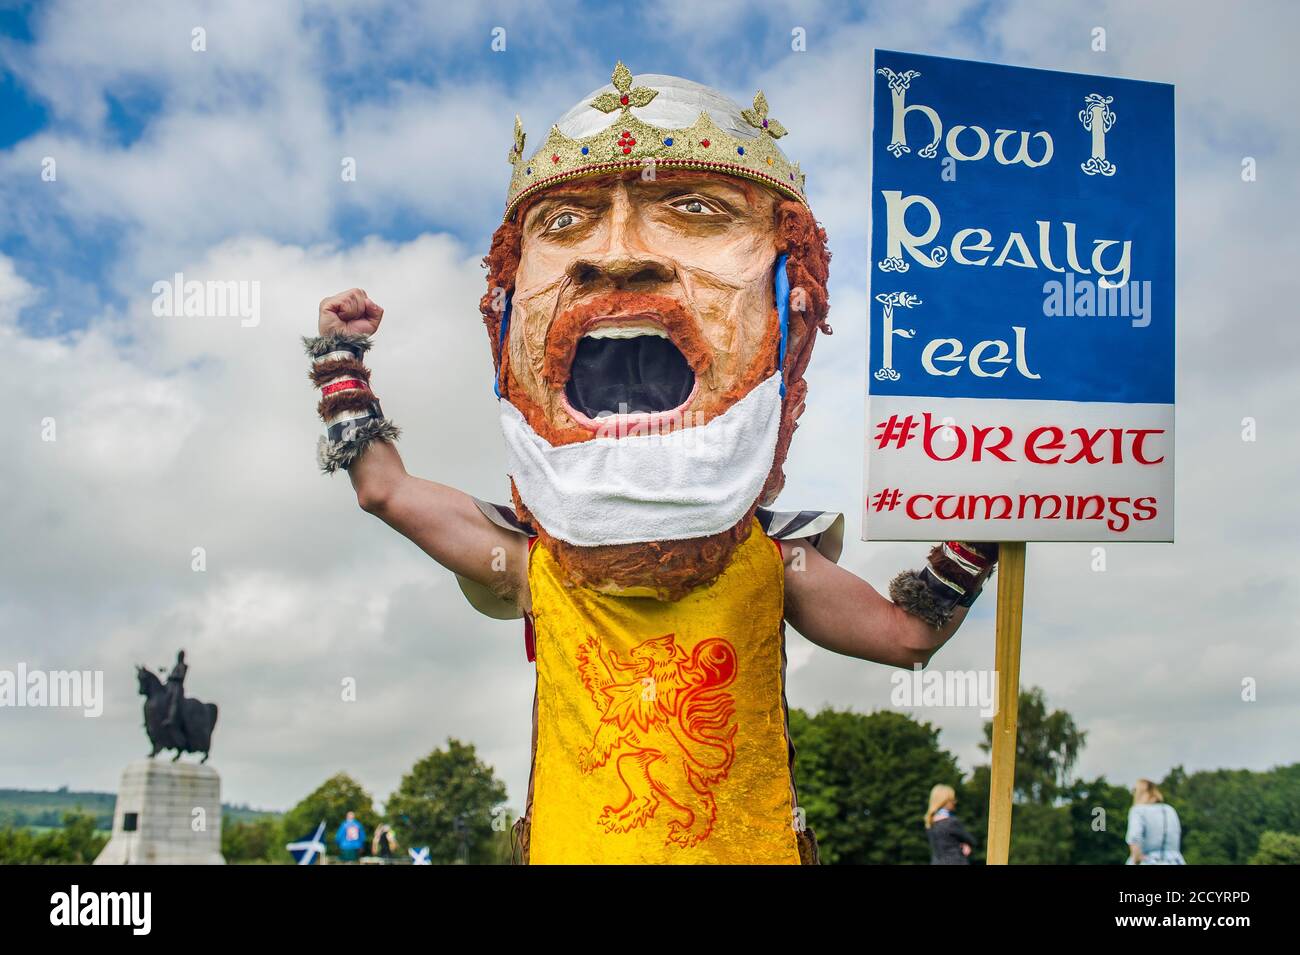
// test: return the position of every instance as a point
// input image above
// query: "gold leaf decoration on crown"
(626, 97)
(517, 151)
(757, 117)
(629, 143)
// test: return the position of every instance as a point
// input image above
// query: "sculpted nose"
(625, 261)
(622, 269)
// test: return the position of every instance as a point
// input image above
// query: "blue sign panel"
(1022, 303)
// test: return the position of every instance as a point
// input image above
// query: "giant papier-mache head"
(654, 293)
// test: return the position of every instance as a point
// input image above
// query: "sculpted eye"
(562, 221)
(694, 205)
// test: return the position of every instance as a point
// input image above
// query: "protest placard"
(1021, 372)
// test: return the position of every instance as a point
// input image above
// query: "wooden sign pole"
(1011, 601)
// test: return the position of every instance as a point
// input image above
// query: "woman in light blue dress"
(1154, 833)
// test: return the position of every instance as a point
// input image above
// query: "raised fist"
(349, 313)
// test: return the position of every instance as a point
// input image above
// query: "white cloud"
(197, 432)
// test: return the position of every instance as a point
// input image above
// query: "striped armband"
(350, 410)
(953, 576)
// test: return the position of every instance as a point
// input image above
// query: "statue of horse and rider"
(173, 720)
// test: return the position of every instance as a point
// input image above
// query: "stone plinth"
(155, 822)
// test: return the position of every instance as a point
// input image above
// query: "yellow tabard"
(661, 733)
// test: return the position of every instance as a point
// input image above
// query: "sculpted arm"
(443, 522)
(840, 611)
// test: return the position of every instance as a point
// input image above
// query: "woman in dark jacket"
(950, 843)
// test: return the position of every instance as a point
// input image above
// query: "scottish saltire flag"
(1021, 365)
(309, 850)
(419, 856)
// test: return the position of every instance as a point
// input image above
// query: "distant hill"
(46, 807)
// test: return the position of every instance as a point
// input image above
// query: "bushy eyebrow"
(737, 201)
(585, 198)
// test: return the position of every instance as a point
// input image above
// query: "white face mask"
(690, 483)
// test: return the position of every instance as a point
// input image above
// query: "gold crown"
(631, 143)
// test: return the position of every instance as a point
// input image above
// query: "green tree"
(449, 802)
(863, 782)
(257, 840)
(973, 810)
(1047, 747)
(1277, 848)
(331, 801)
(1052, 816)
(80, 843)
(1040, 835)
(1225, 812)
(17, 846)
(77, 843)
(1099, 821)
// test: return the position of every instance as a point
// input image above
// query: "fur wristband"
(953, 577)
(349, 408)
(357, 399)
(327, 369)
(318, 346)
(359, 434)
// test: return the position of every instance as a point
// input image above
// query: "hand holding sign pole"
(1021, 377)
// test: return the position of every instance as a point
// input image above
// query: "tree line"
(863, 780)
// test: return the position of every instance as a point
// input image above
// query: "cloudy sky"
(176, 433)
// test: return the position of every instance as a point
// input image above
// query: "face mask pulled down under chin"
(692, 482)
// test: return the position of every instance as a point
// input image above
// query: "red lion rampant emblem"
(669, 720)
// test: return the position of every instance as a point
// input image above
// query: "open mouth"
(627, 369)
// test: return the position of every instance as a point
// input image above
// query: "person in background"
(950, 843)
(384, 845)
(1154, 832)
(350, 838)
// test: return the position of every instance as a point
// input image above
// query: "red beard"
(668, 569)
